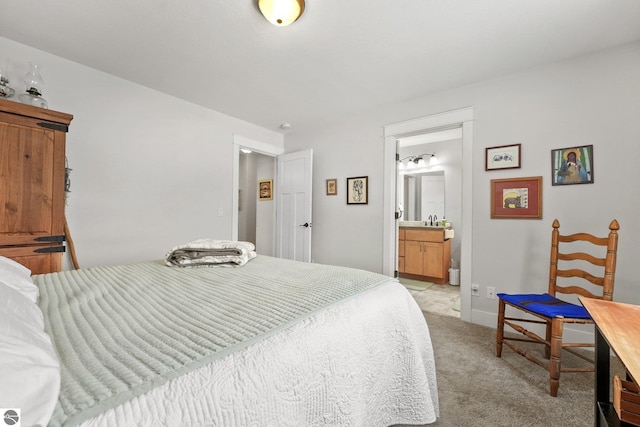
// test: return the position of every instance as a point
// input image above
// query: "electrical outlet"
(475, 290)
(491, 292)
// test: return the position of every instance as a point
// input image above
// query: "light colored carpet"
(478, 389)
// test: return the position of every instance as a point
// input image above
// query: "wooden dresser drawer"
(424, 235)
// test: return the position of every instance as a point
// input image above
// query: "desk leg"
(602, 374)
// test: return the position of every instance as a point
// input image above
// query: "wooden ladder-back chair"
(554, 312)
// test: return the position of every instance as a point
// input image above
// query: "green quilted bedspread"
(120, 331)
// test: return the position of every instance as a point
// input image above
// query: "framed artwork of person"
(572, 165)
(358, 190)
(265, 189)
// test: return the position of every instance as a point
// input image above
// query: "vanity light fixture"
(414, 162)
(281, 12)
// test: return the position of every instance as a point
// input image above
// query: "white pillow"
(14, 265)
(18, 277)
(29, 367)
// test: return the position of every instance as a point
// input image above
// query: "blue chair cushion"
(546, 305)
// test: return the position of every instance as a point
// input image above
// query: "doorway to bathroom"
(461, 118)
(429, 197)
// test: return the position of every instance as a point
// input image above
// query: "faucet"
(430, 220)
(435, 218)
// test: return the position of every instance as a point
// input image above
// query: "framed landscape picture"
(502, 157)
(573, 165)
(516, 198)
(358, 190)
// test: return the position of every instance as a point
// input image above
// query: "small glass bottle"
(6, 91)
(33, 82)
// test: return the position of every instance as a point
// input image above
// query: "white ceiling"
(341, 57)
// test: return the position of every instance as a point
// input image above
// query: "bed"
(271, 343)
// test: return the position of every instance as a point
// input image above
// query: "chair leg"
(554, 360)
(547, 348)
(500, 328)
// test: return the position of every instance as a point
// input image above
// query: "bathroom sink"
(412, 223)
(422, 224)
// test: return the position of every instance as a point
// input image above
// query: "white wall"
(247, 198)
(150, 171)
(593, 99)
(256, 218)
(265, 209)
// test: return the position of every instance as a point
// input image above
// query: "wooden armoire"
(32, 185)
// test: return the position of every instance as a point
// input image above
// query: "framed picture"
(516, 198)
(502, 157)
(265, 189)
(332, 187)
(358, 190)
(573, 165)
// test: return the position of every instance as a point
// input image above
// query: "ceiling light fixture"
(281, 12)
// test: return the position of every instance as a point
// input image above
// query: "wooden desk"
(617, 328)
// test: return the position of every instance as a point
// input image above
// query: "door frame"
(456, 118)
(240, 141)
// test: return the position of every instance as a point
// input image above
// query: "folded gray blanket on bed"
(211, 252)
(120, 331)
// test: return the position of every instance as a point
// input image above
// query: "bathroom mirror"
(423, 196)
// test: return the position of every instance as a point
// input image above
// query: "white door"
(293, 214)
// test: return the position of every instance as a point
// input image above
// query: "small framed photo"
(332, 187)
(502, 157)
(265, 189)
(516, 198)
(573, 165)
(358, 190)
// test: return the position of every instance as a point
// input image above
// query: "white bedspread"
(378, 371)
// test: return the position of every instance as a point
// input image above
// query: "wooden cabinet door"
(32, 187)
(413, 257)
(433, 259)
(401, 237)
(27, 190)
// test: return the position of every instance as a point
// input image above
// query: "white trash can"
(454, 276)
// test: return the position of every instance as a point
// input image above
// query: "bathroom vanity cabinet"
(424, 253)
